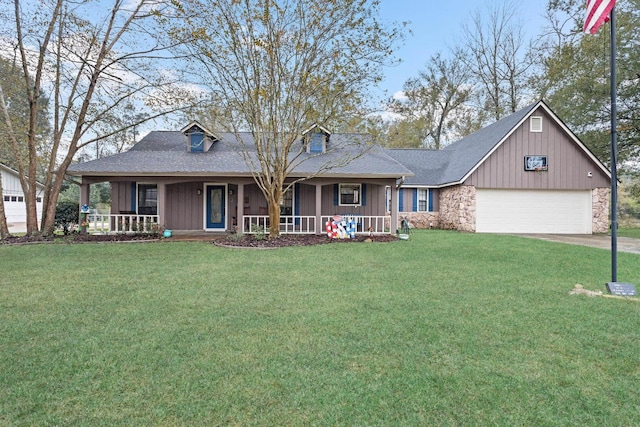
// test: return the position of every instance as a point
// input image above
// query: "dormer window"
(316, 143)
(199, 138)
(316, 139)
(196, 142)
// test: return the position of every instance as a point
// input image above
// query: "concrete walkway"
(625, 244)
(17, 227)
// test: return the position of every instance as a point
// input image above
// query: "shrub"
(67, 214)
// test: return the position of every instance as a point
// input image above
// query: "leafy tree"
(275, 67)
(92, 61)
(434, 105)
(576, 76)
(16, 115)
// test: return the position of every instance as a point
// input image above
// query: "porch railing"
(364, 224)
(289, 224)
(122, 223)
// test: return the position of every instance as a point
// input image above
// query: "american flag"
(597, 14)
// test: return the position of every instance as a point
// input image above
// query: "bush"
(67, 214)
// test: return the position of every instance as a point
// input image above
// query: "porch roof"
(164, 153)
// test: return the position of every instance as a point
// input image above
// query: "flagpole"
(614, 154)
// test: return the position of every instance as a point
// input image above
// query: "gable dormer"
(315, 139)
(199, 138)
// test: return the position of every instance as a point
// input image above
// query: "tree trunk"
(274, 220)
(4, 228)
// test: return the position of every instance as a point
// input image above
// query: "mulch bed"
(285, 240)
(78, 238)
(232, 240)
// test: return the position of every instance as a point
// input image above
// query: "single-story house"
(195, 179)
(526, 173)
(13, 196)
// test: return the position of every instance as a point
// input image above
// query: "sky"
(436, 27)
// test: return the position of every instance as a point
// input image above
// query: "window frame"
(426, 200)
(138, 200)
(287, 202)
(535, 124)
(352, 185)
(199, 147)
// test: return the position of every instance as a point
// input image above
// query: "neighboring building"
(527, 173)
(13, 196)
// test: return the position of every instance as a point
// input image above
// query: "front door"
(215, 207)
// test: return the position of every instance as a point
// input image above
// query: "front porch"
(213, 205)
(251, 224)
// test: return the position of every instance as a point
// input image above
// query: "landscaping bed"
(285, 240)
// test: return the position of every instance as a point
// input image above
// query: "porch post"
(393, 226)
(85, 196)
(319, 225)
(84, 193)
(240, 208)
(162, 204)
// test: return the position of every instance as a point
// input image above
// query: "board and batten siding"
(375, 200)
(184, 206)
(121, 196)
(568, 164)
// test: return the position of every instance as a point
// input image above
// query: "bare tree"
(276, 67)
(435, 103)
(89, 68)
(497, 55)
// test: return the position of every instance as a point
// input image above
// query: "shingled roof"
(164, 153)
(450, 165)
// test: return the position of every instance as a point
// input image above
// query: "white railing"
(289, 224)
(364, 224)
(122, 223)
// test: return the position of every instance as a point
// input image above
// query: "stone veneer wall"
(600, 209)
(458, 208)
(421, 219)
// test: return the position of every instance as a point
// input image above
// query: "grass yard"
(445, 329)
(629, 232)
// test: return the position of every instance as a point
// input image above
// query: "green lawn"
(444, 329)
(629, 232)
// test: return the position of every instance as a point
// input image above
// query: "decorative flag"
(597, 14)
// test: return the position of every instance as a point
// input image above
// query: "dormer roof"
(318, 127)
(196, 127)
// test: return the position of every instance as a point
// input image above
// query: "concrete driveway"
(625, 244)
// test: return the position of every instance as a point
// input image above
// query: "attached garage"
(533, 211)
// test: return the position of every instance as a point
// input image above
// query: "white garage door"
(533, 211)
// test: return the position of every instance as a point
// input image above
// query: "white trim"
(197, 123)
(535, 124)
(315, 125)
(426, 199)
(204, 205)
(340, 184)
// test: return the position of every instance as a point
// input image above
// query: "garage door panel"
(533, 211)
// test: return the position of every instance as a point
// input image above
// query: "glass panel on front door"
(215, 206)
